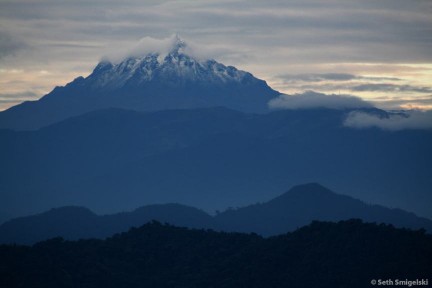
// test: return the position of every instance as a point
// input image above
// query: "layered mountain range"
(171, 128)
(296, 208)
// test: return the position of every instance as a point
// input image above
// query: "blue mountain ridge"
(172, 128)
(298, 207)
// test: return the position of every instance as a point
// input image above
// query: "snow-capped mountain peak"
(145, 80)
(176, 67)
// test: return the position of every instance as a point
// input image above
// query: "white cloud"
(162, 46)
(413, 119)
(144, 46)
(312, 99)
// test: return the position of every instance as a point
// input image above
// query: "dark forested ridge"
(323, 254)
(297, 207)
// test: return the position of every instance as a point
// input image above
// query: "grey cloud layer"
(16, 98)
(323, 30)
(367, 87)
(391, 88)
(319, 77)
(10, 45)
(395, 102)
(351, 82)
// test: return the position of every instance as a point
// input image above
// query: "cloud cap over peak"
(161, 47)
(147, 45)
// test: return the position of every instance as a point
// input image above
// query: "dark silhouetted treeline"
(322, 254)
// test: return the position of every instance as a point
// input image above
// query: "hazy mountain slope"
(165, 256)
(74, 223)
(148, 83)
(208, 158)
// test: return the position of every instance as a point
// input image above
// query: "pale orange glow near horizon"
(30, 85)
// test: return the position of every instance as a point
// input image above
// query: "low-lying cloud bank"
(413, 119)
(410, 119)
(310, 99)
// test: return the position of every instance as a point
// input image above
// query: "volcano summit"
(150, 82)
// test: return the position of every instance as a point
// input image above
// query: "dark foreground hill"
(344, 254)
(213, 158)
(298, 207)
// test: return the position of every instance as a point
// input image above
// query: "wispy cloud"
(366, 87)
(312, 99)
(10, 45)
(408, 103)
(19, 95)
(391, 88)
(319, 77)
(8, 99)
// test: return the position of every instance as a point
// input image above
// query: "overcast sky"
(379, 50)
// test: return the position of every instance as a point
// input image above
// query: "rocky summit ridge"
(177, 67)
